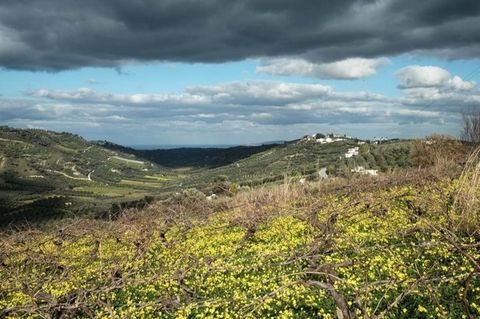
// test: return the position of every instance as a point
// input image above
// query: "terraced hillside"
(254, 165)
(44, 173)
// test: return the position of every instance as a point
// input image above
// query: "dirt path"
(10, 140)
(89, 176)
(71, 177)
(87, 149)
(127, 160)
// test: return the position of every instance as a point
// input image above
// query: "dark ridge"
(191, 156)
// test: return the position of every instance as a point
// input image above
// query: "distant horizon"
(173, 146)
(153, 146)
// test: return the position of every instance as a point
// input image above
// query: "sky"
(214, 72)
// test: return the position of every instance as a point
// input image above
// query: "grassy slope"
(256, 164)
(300, 158)
(37, 165)
(388, 247)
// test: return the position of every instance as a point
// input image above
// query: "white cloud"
(250, 107)
(458, 84)
(416, 76)
(94, 81)
(92, 96)
(260, 92)
(348, 69)
(242, 93)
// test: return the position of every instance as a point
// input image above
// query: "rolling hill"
(193, 157)
(46, 174)
(253, 165)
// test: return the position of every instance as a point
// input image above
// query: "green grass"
(140, 183)
(161, 178)
(65, 149)
(109, 191)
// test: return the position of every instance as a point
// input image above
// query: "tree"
(471, 127)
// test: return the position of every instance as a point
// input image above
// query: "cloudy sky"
(240, 71)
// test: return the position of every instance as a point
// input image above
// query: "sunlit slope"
(308, 159)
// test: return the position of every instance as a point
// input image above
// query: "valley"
(38, 167)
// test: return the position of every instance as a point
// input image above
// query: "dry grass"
(467, 201)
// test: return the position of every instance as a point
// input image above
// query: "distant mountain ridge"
(193, 157)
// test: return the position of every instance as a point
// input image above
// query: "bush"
(437, 150)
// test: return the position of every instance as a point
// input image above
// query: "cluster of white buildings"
(325, 139)
(351, 152)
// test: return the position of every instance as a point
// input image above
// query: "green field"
(140, 183)
(108, 191)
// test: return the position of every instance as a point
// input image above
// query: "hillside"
(310, 160)
(43, 173)
(255, 165)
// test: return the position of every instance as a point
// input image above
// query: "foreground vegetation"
(283, 243)
(403, 245)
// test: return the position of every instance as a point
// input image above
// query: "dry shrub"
(187, 205)
(444, 154)
(254, 206)
(260, 203)
(467, 200)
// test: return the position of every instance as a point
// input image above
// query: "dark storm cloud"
(63, 34)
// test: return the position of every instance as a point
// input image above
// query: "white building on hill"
(323, 139)
(351, 152)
